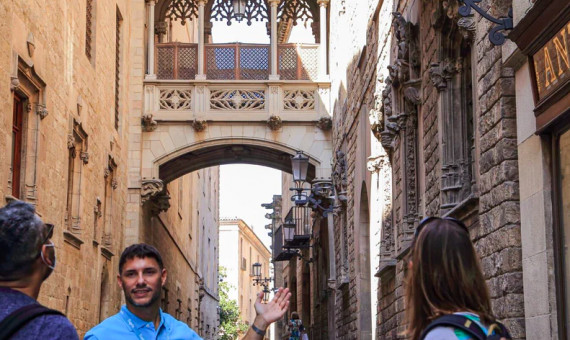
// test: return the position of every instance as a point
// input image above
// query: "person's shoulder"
(178, 326)
(441, 333)
(112, 324)
(55, 326)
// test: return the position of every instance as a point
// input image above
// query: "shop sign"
(552, 63)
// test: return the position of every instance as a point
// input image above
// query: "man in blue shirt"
(27, 258)
(141, 276)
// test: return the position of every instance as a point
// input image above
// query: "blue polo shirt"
(126, 326)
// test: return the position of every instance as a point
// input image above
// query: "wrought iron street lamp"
(299, 166)
(257, 270)
(288, 231)
(266, 292)
(239, 9)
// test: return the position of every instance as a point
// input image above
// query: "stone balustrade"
(231, 100)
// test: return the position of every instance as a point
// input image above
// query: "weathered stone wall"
(492, 210)
(83, 284)
(354, 61)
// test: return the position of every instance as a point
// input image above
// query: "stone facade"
(64, 93)
(236, 237)
(186, 235)
(441, 102)
(75, 161)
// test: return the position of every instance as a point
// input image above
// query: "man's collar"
(138, 322)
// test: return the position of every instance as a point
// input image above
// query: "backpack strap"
(20, 317)
(456, 321)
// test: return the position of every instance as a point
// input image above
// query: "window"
(117, 65)
(78, 157)
(110, 215)
(17, 131)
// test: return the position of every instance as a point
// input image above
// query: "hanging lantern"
(288, 231)
(239, 9)
(265, 294)
(257, 270)
(300, 165)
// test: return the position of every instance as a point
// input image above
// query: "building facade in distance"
(236, 237)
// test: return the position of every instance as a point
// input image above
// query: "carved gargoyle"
(325, 123)
(150, 188)
(274, 122)
(199, 125)
(148, 122)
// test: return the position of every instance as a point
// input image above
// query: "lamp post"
(299, 166)
(239, 9)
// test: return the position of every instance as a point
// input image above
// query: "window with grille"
(89, 28)
(117, 65)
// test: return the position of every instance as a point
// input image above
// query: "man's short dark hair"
(140, 250)
(21, 232)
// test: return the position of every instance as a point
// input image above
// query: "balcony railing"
(237, 61)
(176, 61)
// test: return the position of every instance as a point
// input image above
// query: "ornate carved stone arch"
(452, 77)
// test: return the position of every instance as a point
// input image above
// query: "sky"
(243, 188)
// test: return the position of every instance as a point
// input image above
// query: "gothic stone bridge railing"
(237, 61)
(235, 100)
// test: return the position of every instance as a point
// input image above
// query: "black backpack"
(468, 326)
(20, 317)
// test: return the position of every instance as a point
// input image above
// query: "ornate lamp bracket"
(503, 23)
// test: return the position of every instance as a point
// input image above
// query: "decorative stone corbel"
(84, 155)
(42, 111)
(467, 27)
(71, 144)
(274, 122)
(159, 203)
(150, 188)
(412, 95)
(114, 184)
(391, 129)
(325, 123)
(106, 172)
(148, 122)
(199, 125)
(14, 83)
(439, 73)
(376, 163)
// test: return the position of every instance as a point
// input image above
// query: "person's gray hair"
(21, 232)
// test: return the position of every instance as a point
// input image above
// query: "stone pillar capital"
(323, 3)
(274, 2)
(151, 2)
(202, 2)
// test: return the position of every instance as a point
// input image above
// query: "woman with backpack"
(446, 295)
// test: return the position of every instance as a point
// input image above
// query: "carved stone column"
(274, 66)
(150, 66)
(201, 75)
(323, 38)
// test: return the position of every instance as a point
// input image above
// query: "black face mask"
(51, 256)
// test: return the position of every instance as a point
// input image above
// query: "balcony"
(179, 61)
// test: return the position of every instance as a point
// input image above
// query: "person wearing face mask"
(27, 258)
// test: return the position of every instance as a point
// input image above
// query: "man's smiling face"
(142, 280)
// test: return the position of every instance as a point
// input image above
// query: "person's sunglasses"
(426, 220)
(49, 235)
